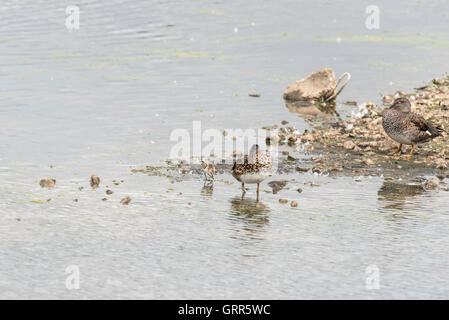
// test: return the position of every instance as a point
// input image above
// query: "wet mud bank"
(360, 146)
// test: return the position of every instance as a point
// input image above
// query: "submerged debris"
(125, 201)
(277, 186)
(431, 184)
(94, 181)
(47, 183)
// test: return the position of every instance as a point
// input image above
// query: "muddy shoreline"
(355, 147)
(360, 146)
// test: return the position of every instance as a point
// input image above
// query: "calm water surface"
(104, 100)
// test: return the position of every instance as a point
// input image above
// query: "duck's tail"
(437, 131)
(440, 130)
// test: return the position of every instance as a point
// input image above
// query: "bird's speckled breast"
(395, 127)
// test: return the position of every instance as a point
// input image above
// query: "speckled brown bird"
(254, 168)
(208, 170)
(406, 127)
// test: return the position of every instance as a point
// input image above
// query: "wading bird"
(254, 168)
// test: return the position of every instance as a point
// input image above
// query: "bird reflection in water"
(251, 216)
(309, 110)
(396, 195)
(208, 190)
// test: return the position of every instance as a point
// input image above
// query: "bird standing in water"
(254, 168)
(208, 170)
(406, 127)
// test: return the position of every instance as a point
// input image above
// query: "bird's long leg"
(243, 189)
(411, 152)
(397, 151)
(258, 185)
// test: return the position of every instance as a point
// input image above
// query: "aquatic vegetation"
(420, 41)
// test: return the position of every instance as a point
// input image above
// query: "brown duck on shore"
(406, 127)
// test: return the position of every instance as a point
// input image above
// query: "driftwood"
(319, 86)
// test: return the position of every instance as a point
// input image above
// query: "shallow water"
(104, 100)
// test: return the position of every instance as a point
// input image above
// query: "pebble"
(432, 184)
(283, 201)
(349, 145)
(125, 201)
(441, 164)
(94, 181)
(317, 170)
(294, 204)
(277, 185)
(47, 183)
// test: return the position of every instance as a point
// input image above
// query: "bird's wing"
(425, 130)
(419, 122)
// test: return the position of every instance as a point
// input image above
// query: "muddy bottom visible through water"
(105, 99)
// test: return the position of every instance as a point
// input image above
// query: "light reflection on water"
(105, 99)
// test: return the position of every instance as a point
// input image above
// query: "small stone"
(299, 190)
(317, 170)
(274, 138)
(349, 145)
(335, 169)
(299, 169)
(368, 162)
(184, 170)
(277, 185)
(432, 184)
(47, 183)
(94, 181)
(388, 100)
(292, 138)
(109, 192)
(284, 122)
(283, 201)
(441, 164)
(438, 81)
(294, 204)
(125, 201)
(307, 137)
(104, 199)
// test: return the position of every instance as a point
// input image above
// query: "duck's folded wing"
(419, 122)
(426, 129)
